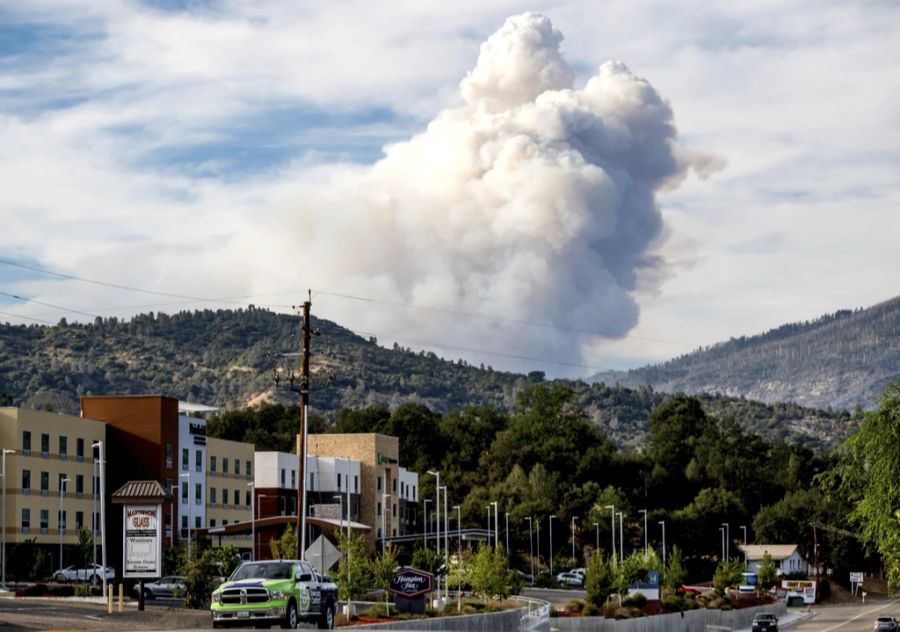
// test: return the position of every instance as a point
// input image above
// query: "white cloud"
(800, 98)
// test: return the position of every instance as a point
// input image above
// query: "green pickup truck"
(274, 591)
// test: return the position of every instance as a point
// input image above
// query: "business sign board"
(409, 587)
(856, 578)
(800, 588)
(142, 540)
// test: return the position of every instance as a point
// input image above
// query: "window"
(45, 520)
(394, 485)
(45, 445)
(248, 470)
(60, 485)
(378, 487)
(63, 447)
(212, 495)
(212, 464)
(394, 510)
(414, 493)
(79, 485)
(26, 520)
(169, 485)
(184, 459)
(237, 497)
(224, 465)
(170, 454)
(339, 481)
(247, 498)
(184, 522)
(312, 480)
(61, 520)
(356, 484)
(26, 442)
(79, 520)
(212, 522)
(197, 524)
(293, 479)
(379, 510)
(224, 523)
(198, 493)
(26, 481)
(198, 460)
(45, 483)
(79, 449)
(282, 476)
(184, 493)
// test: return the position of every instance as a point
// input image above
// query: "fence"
(689, 621)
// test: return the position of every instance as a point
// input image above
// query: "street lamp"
(744, 529)
(488, 507)
(187, 475)
(551, 543)
(530, 549)
(663, 523)
(727, 540)
(3, 519)
(458, 535)
(59, 521)
(644, 511)
(446, 533)
(437, 509)
(597, 527)
(612, 529)
(101, 458)
(621, 539)
(425, 520)
(573, 541)
(252, 521)
(384, 498)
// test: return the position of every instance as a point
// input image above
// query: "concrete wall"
(693, 621)
(506, 621)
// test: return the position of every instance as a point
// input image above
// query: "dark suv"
(765, 621)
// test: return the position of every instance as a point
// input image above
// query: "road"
(848, 618)
(556, 596)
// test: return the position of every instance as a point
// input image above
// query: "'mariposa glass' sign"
(142, 555)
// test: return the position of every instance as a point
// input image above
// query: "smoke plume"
(533, 201)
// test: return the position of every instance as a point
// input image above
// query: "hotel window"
(198, 493)
(247, 498)
(198, 460)
(170, 454)
(184, 493)
(61, 520)
(79, 449)
(26, 519)
(169, 485)
(79, 485)
(212, 464)
(26, 481)
(355, 484)
(379, 510)
(249, 469)
(282, 476)
(45, 445)
(212, 495)
(293, 479)
(60, 485)
(45, 483)
(394, 486)
(378, 488)
(197, 524)
(224, 465)
(185, 459)
(237, 497)
(339, 481)
(26, 442)
(79, 520)
(312, 481)
(184, 522)
(212, 522)
(63, 447)
(394, 510)
(45, 520)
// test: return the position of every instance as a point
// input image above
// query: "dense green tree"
(599, 579)
(354, 574)
(728, 573)
(490, 575)
(676, 427)
(868, 475)
(382, 571)
(767, 574)
(675, 573)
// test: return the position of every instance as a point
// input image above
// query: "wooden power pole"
(301, 436)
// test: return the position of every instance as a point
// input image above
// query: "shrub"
(636, 600)
(590, 610)
(574, 605)
(83, 590)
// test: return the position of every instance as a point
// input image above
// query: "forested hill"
(226, 358)
(842, 360)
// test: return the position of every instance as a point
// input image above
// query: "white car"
(91, 573)
(164, 587)
(570, 579)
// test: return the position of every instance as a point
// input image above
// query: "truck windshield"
(263, 570)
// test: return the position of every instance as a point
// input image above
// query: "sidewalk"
(791, 618)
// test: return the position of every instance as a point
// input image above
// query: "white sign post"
(142, 541)
(855, 580)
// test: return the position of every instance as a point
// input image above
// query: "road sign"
(856, 578)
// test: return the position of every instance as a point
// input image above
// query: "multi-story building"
(388, 493)
(229, 484)
(49, 478)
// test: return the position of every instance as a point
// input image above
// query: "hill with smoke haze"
(842, 360)
(228, 358)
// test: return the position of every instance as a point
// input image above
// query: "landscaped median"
(689, 621)
(514, 615)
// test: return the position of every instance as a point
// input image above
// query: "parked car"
(91, 573)
(164, 587)
(765, 621)
(570, 579)
(886, 623)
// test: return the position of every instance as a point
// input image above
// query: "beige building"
(51, 454)
(229, 478)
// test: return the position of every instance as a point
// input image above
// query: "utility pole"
(301, 435)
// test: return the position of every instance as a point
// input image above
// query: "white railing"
(537, 619)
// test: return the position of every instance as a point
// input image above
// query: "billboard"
(142, 541)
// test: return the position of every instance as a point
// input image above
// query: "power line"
(50, 305)
(37, 320)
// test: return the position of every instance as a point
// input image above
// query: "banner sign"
(411, 582)
(142, 540)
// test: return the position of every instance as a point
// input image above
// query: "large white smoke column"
(534, 202)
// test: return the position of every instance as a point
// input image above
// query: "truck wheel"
(290, 619)
(326, 619)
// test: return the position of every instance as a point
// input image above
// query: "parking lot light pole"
(612, 529)
(101, 457)
(530, 549)
(621, 539)
(727, 540)
(550, 542)
(3, 519)
(437, 509)
(744, 529)
(644, 511)
(59, 519)
(663, 524)
(722, 532)
(496, 524)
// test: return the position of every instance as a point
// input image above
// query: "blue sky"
(222, 149)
